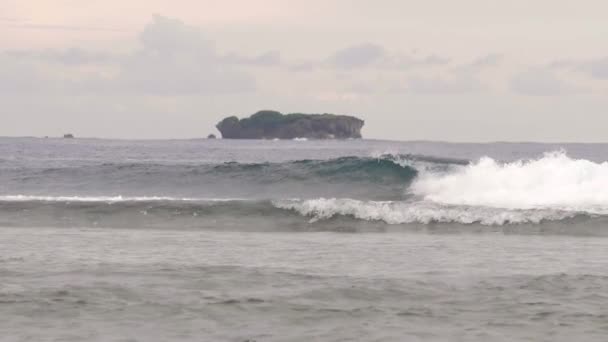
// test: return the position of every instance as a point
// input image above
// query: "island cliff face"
(269, 124)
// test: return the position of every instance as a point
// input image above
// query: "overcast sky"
(467, 70)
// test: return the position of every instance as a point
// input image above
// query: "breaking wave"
(418, 212)
(409, 190)
(381, 177)
(217, 213)
(553, 181)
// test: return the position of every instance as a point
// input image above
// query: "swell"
(344, 192)
(383, 177)
(385, 168)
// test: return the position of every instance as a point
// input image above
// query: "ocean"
(356, 240)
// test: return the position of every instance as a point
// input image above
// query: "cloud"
(403, 61)
(18, 76)
(368, 54)
(173, 59)
(387, 69)
(71, 56)
(176, 74)
(270, 58)
(357, 56)
(307, 66)
(597, 68)
(489, 60)
(167, 36)
(479, 64)
(540, 82)
(459, 82)
(177, 59)
(15, 24)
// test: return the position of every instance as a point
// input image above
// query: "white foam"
(553, 181)
(109, 199)
(416, 212)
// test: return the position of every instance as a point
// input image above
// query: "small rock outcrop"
(268, 124)
(211, 136)
(68, 136)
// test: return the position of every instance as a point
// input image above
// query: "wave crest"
(194, 211)
(554, 181)
(417, 212)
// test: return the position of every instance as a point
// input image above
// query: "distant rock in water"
(211, 136)
(68, 136)
(269, 124)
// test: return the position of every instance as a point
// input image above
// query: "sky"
(467, 70)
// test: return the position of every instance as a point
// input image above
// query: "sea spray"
(554, 181)
(416, 212)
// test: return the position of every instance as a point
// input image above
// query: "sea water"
(214, 240)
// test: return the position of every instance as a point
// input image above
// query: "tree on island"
(269, 124)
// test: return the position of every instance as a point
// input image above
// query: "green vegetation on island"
(268, 124)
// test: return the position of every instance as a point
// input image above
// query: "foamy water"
(554, 181)
(418, 212)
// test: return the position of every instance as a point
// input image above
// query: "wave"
(100, 199)
(398, 190)
(133, 212)
(386, 169)
(391, 212)
(553, 181)
(382, 168)
(382, 177)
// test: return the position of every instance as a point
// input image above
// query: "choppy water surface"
(297, 241)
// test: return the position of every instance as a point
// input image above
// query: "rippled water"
(299, 241)
(123, 285)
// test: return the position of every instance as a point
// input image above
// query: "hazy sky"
(467, 70)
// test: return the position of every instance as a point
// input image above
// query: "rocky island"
(268, 124)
